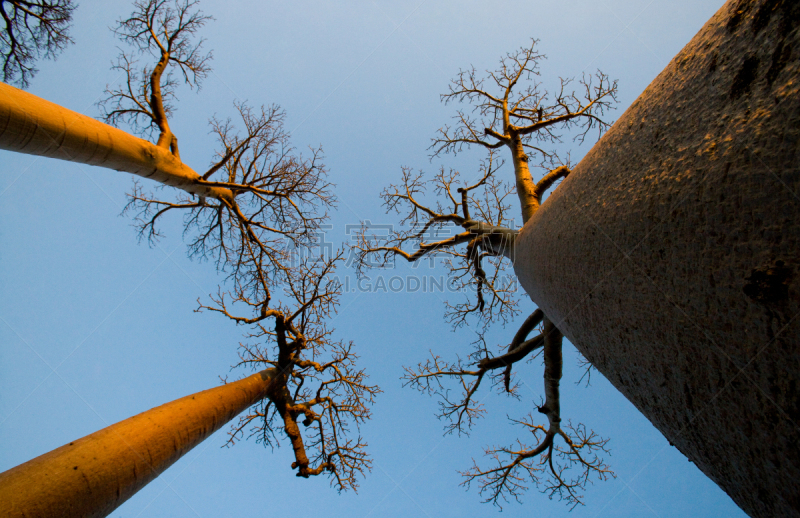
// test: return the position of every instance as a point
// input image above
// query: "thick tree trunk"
(670, 256)
(29, 124)
(92, 476)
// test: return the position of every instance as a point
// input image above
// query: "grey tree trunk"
(92, 476)
(670, 256)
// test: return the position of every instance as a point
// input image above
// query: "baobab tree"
(509, 109)
(32, 30)
(250, 212)
(305, 376)
(669, 254)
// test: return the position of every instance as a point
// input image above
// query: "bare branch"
(261, 235)
(428, 376)
(524, 330)
(432, 230)
(321, 389)
(546, 463)
(513, 356)
(551, 178)
(32, 30)
(164, 31)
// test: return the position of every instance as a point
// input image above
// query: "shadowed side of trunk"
(670, 256)
(92, 476)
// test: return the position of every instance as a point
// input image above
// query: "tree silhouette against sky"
(31, 30)
(145, 351)
(258, 204)
(508, 108)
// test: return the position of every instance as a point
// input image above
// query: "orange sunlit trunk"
(32, 125)
(92, 476)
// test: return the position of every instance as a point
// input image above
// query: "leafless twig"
(32, 29)
(273, 203)
(509, 109)
(320, 386)
(480, 241)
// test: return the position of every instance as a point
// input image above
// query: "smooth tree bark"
(32, 125)
(257, 212)
(92, 476)
(670, 256)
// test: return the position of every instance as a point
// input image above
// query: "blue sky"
(96, 328)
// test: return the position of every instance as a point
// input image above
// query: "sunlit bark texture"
(671, 255)
(32, 125)
(257, 213)
(92, 476)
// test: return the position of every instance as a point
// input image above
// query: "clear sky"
(95, 328)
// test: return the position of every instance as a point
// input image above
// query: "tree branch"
(32, 30)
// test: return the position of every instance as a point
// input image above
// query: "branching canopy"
(277, 196)
(166, 34)
(320, 384)
(560, 461)
(511, 109)
(472, 230)
(32, 29)
(509, 104)
(472, 226)
(273, 204)
(280, 200)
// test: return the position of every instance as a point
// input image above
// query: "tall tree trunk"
(29, 124)
(670, 256)
(92, 476)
